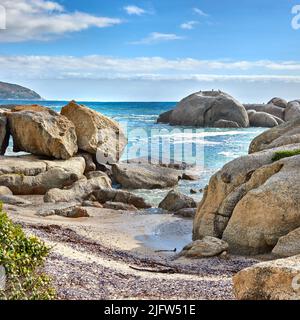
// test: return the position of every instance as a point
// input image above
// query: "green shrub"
(23, 259)
(285, 154)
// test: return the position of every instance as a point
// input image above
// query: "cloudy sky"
(152, 50)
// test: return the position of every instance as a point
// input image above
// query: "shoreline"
(88, 252)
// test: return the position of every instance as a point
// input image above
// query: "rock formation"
(96, 133)
(145, 176)
(43, 133)
(204, 109)
(254, 200)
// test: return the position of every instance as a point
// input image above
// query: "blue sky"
(151, 50)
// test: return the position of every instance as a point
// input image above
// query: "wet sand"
(113, 255)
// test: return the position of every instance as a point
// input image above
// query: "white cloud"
(43, 20)
(200, 12)
(157, 37)
(134, 10)
(189, 25)
(143, 68)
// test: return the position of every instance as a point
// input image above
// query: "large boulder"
(285, 134)
(273, 280)
(79, 191)
(263, 119)
(267, 108)
(279, 102)
(4, 133)
(252, 202)
(204, 248)
(174, 201)
(96, 133)
(288, 245)
(144, 176)
(28, 175)
(43, 133)
(203, 109)
(269, 210)
(292, 111)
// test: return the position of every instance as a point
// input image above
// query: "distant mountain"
(16, 92)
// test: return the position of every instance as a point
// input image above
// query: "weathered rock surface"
(186, 213)
(43, 133)
(15, 201)
(263, 119)
(96, 133)
(163, 162)
(292, 111)
(288, 245)
(226, 124)
(279, 102)
(113, 195)
(119, 206)
(252, 202)
(174, 201)
(273, 280)
(203, 109)
(28, 175)
(165, 117)
(204, 248)
(269, 210)
(285, 134)
(4, 134)
(267, 108)
(97, 174)
(144, 176)
(79, 191)
(4, 191)
(59, 209)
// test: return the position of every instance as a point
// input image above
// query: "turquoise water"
(208, 148)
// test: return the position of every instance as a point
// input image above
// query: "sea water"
(208, 149)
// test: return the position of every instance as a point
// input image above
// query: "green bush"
(285, 154)
(23, 259)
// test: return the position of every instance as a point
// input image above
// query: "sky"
(151, 50)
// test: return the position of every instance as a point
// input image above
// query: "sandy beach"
(113, 254)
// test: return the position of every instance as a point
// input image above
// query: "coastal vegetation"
(22, 258)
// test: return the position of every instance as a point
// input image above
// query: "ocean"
(208, 149)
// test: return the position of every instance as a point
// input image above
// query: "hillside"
(13, 91)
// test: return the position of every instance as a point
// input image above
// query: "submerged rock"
(43, 133)
(186, 213)
(144, 176)
(96, 133)
(174, 201)
(273, 280)
(204, 248)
